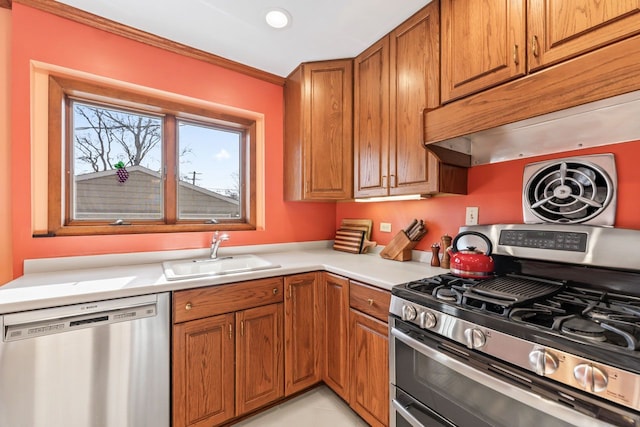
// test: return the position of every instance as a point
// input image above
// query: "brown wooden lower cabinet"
(203, 371)
(226, 364)
(311, 327)
(259, 359)
(302, 332)
(335, 300)
(370, 368)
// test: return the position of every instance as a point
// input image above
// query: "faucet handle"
(217, 237)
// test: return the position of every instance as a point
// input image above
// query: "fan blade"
(588, 201)
(563, 172)
(541, 202)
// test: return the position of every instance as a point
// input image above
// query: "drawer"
(370, 300)
(213, 300)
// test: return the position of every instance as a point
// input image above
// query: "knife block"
(399, 248)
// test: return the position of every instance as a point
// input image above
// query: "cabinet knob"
(275, 291)
(188, 306)
(370, 301)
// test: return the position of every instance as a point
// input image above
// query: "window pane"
(209, 171)
(117, 158)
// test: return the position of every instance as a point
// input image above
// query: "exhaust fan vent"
(571, 191)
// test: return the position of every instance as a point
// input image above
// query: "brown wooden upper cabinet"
(318, 135)
(488, 42)
(483, 44)
(395, 81)
(561, 29)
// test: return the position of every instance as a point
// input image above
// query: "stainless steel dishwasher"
(97, 364)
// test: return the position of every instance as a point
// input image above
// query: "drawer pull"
(534, 45)
(188, 306)
(370, 301)
(275, 291)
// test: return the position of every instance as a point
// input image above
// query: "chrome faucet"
(215, 243)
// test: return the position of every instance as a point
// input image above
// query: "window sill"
(92, 230)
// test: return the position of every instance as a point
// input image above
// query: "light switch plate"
(385, 227)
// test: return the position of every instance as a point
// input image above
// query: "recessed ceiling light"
(278, 18)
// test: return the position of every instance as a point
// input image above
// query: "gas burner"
(446, 294)
(583, 328)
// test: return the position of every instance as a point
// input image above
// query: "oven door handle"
(530, 399)
(406, 414)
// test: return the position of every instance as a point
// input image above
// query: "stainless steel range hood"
(608, 121)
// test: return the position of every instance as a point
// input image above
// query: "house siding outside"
(100, 195)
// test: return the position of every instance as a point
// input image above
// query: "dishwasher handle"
(38, 323)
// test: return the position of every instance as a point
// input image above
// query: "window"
(120, 162)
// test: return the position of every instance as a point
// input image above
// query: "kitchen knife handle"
(409, 227)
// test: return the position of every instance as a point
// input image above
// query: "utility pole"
(193, 176)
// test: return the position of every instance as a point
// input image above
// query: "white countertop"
(73, 280)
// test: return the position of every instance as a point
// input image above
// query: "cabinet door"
(561, 29)
(483, 44)
(259, 358)
(371, 121)
(415, 86)
(318, 151)
(336, 334)
(301, 332)
(369, 368)
(203, 373)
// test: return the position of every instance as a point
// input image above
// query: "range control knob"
(408, 312)
(590, 377)
(474, 338)
(543, 362)
(427, 320)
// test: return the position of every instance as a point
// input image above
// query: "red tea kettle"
(470, 262)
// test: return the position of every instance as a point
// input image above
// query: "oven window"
(462, 400)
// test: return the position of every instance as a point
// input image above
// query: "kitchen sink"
(191, 268)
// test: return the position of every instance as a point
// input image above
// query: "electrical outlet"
(472, 216)
(385, 227)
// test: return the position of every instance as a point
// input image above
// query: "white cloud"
(222, 155)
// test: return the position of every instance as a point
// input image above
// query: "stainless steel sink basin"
(190, 268)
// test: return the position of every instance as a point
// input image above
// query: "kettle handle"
(454, 244)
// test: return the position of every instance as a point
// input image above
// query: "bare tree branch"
(110, 132)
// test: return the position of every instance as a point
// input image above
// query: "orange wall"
(496, 190)
(5, 147)
(43, 37)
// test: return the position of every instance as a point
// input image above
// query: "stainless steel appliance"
(552, 338)
(97, 364)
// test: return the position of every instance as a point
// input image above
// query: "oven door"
(440, 383)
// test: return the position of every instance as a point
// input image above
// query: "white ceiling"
(236, 29)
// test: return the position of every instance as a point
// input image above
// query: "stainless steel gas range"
(552, 338)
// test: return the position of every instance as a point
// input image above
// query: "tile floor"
(319, 407)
